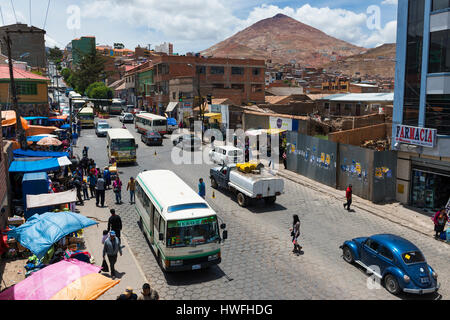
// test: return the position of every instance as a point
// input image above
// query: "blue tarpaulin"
(171, 122)
(34, 118)
(35, 138)
(19, 153)
(65, 126)
(41, 231)
(33, 165)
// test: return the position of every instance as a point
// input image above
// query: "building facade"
(240, 80)
(28, 46)
(32, 92)
(81, 46)
(421, 117)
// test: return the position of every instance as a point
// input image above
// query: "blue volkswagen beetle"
(394, 260)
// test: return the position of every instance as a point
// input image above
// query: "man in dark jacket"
(77, 184)
(348, 195)
(111, 248)
(115, 223)
(100, 191)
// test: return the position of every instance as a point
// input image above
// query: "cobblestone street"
(257, 259)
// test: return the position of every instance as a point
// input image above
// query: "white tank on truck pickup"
(257, 185)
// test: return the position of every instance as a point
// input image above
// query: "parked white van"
(226, 154)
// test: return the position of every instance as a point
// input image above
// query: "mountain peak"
(283, 39)
(280, 16)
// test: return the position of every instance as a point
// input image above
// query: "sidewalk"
(127, 267)
(394, 212)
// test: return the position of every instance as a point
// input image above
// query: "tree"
(98, 90)
(91, 69)
(55, 55)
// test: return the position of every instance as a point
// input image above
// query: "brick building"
(30, 44)
(240, 80)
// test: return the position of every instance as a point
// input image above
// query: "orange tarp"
(9, 119)
(89, 287)
(63, 117)
(35, 130)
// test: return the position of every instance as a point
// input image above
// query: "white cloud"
(389, 2)
(198, 19)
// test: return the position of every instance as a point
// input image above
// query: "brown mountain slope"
(283, 40)
(378, 61)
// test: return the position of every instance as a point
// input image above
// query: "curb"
(362, 207)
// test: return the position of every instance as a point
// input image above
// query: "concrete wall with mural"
(371, 173)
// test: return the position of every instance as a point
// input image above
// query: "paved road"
(257, 259)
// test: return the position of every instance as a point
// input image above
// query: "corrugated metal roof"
(360, 97)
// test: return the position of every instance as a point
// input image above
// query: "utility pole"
(20, 134)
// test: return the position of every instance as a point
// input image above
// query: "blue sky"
(194, 25)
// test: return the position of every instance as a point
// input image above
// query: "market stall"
(65, 280)
(52, 201)
(41, 232)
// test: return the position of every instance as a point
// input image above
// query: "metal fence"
(371, 173)
(312, 157)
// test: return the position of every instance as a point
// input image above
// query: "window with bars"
(26, 88)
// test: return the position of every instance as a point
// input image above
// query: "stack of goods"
(9, 245)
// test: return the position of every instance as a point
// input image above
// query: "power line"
(14, 10)
(30, 13)
(46, 14)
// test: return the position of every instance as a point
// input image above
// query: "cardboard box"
(16, 221)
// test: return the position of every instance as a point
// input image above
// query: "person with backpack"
(117, 188)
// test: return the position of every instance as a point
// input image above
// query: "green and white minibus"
(121, 145)
(179, 224)
(86, 117)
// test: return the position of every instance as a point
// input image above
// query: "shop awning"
(275, 131)
(38, 130)
(171, 106)
(48, 282)
(19, 153)
(34, 118)
(217, 116)
(9, 119)
(28, 165)
(63, 117)
(50, 199)
(254, 132)
(39, 137)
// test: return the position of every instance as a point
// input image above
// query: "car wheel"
(391, 284)
(214, 184)
(347, 254)
(242, 199)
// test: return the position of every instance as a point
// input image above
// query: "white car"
(126, 117)
(226, 154)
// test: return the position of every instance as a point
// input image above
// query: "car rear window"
(413, 257)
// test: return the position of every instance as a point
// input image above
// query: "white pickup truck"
(259, 184)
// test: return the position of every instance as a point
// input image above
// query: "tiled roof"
(19, 74)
